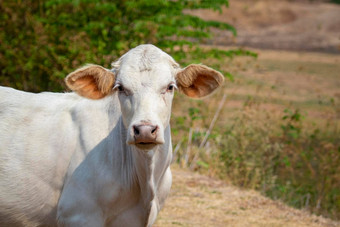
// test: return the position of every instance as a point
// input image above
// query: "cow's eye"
(171, 87)
(119, 87)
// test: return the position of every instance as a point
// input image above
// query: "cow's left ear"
(91, 81)
(198, 80)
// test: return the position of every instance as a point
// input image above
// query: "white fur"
(70, 161)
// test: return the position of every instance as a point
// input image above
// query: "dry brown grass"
(278, 79)
(197, 200)
(262, 89)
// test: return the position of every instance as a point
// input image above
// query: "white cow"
(99, 156)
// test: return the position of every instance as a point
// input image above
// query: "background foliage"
(41, 41)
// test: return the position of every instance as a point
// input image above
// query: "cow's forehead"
(134, 79)
(144, 59)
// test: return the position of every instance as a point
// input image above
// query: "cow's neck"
(145, 168)
(147, 181)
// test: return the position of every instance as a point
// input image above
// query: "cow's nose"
(145, 134)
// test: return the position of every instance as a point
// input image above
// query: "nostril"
(135, 130)
(154, 130)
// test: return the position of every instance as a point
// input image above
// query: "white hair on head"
(145, 56)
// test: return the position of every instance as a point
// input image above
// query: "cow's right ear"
(91, 81)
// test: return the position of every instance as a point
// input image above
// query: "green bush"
(42, 41)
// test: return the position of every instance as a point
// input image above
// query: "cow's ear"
(198, 80)
(91, 81)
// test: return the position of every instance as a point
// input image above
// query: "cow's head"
(144, 80)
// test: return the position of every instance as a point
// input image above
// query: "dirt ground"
(197, 200)
(279, 24)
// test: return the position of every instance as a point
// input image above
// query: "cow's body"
(69, 160)
(67, 131)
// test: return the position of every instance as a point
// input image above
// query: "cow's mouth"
(145, 145)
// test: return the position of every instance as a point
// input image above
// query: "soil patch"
(279, 24)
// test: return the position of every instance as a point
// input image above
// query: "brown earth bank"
(197, 200)
(279, 24)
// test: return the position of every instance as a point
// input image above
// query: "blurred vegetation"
(284, 157)
(285, 154)
(42, 41)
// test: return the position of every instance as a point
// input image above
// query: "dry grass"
(198, 200)
(248, 146)
(278, 79)
(275, 81)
